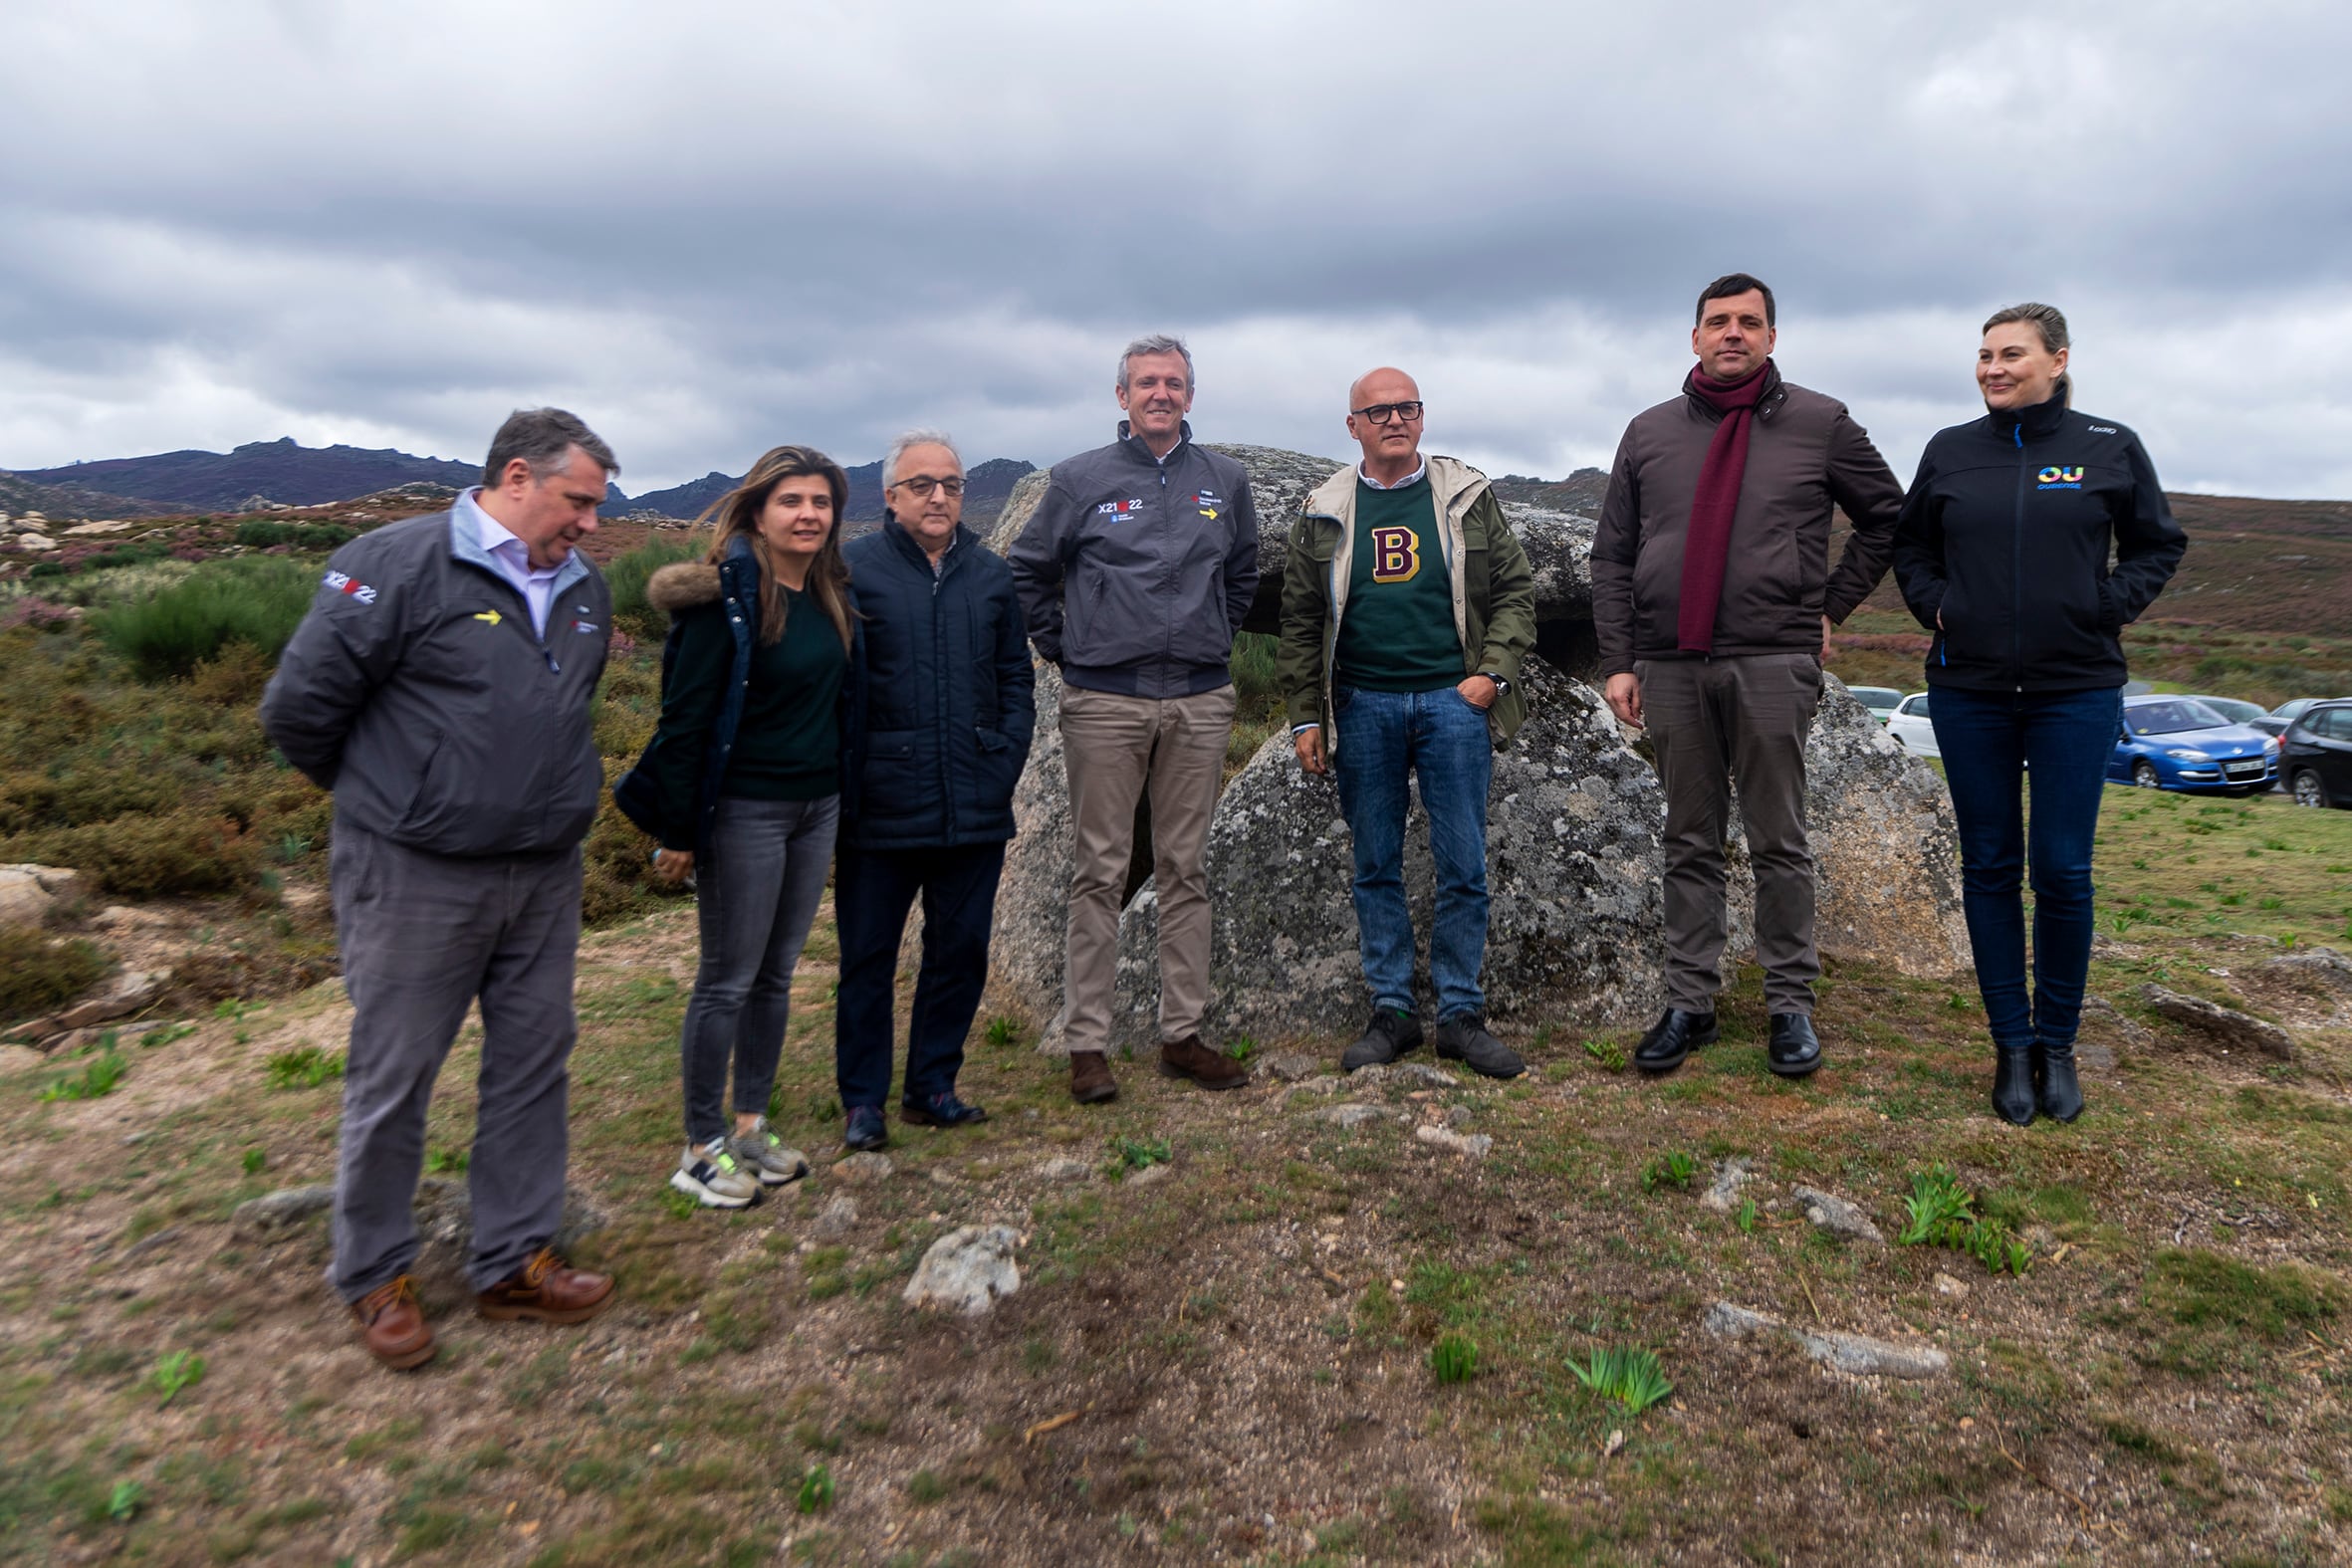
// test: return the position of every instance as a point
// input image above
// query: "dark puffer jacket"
(2006, 536)
(673, 791)
(949, 694)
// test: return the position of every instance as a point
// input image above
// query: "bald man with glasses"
(1407, 606)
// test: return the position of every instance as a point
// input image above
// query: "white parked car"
(1910, 728)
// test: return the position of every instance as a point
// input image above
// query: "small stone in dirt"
(1858, 1354)
(1946, 1286)
(837, 1216)
(155, 1242)
(1352, 1113)
(967, 1271)
(1149, 1175)
(863, 1167)
(127, 995)
(275, 1211)
(1292, 1065)
(1472, 1145)
(1458, 1115)
(2226, 1024)
(1066, 1168)
(1840, 1217)
(1723, 1195)
(1423, 1074)
(2324, 965)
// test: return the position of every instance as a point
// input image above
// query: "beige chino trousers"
(1114, 745)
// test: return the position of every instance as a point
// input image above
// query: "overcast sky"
(710, 227)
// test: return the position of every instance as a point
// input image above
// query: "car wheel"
(2144, 774)
(2308, 789)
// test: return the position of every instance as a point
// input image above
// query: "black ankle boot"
(2058, 1091)
(2012, 1086)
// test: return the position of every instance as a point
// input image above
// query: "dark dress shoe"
(1795, 1049)
(2056, 1088)
(940, 1110)
(1466, 1040)
(866, 1129)
(1389, 1035)
(392, 1325)
(1674, 1036)
(1189, 1058)
(1090, 1083)
(2013, 1087)
(547, 1290)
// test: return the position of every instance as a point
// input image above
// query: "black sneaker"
(1464, 1038)
(866, 1129)
(1389, 1035)
(940, 1110)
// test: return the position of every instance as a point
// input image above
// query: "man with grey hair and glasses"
(1135, 572)
(440, 687)
(948, 703)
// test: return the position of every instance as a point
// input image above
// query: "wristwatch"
(1500, 685)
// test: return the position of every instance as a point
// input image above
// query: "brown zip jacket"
(1804, 455)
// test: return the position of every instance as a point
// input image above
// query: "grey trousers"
(1713, 721)
(422, 937)
(1114, 745)
(755, 897)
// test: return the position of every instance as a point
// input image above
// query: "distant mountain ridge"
(282, 470)
(986, 485)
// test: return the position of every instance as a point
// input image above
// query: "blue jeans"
(760, 886)
(1440, 738)
(2059, 742)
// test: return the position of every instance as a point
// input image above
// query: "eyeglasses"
(1382, 413)
(921, 486)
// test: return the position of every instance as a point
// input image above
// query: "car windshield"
(2232, 709)
(2170, 718)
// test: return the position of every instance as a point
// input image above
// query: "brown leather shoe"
(392, 1325)
(1090, 1083)
(547, 1290)
(1189, 1058)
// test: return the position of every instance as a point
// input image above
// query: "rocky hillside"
(282, 471)
(988, 484)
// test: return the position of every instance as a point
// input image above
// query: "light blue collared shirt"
(537, 585)
(1413, 477)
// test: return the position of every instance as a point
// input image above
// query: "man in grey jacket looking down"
(440, 686)
(1135, 572)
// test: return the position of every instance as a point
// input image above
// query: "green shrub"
(629, 575)
(1454, 1359)
(256, 601)
(153, 856)
(303, 1067)
(1630, 1376)
(261, 534)
(35, 972)
(97, 1079)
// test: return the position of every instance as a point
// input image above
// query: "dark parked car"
(2317, 761)
(2177, 743)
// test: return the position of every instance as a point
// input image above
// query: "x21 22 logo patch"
(1120, 511)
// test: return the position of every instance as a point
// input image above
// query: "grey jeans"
(759, 891)
(1710, 722)
(422, 937)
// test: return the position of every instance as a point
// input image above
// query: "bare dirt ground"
(1222, 1347)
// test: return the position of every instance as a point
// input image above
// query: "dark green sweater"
(788, 742)
(1397, 632)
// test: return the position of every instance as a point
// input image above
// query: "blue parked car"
(2178, 743)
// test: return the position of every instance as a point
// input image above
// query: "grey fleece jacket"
(1134, 574)
(416, 691)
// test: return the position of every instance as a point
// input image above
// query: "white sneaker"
(713, 1177)
(766, 1156)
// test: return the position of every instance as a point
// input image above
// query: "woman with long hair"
(2002, 552)
(742, 786)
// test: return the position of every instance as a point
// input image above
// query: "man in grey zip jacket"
(1135, 572)
(440, 687)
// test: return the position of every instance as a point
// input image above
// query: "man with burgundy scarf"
(1713, 601)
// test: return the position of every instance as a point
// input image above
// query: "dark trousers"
(1712, 722)
(1995, 746)
(759, 888)
(873, 891)
(423, 936)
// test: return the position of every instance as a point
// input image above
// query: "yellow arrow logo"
(488, 615)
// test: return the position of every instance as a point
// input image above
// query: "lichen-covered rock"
(967, 1271)
(1025, 947)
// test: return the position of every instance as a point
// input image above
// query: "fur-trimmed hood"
(683, 585)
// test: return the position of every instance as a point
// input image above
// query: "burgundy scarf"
(1709, 541)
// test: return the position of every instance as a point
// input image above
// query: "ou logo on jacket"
(2055, 478)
